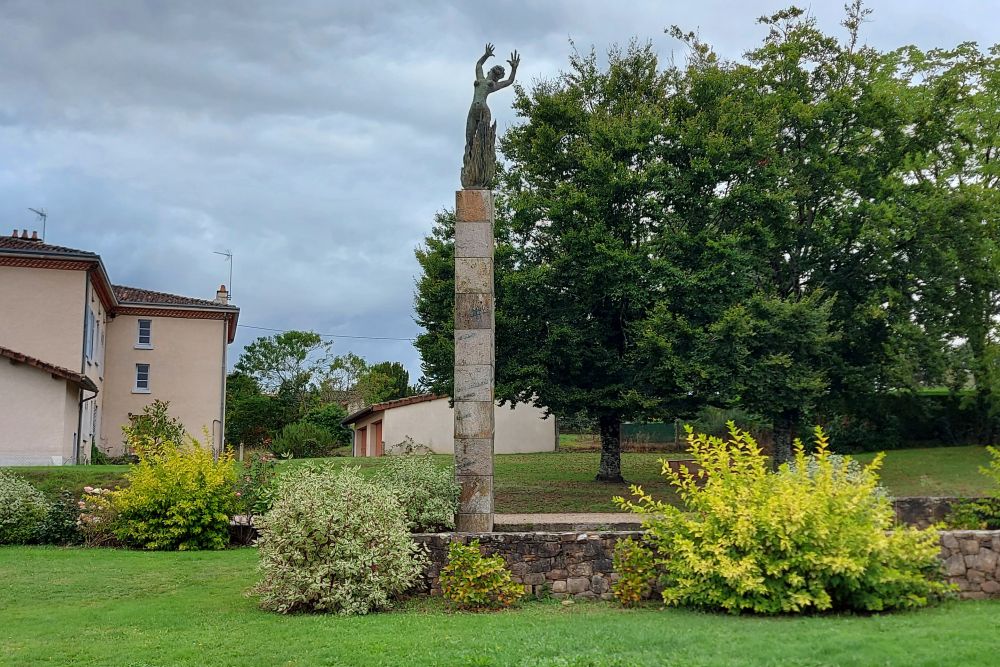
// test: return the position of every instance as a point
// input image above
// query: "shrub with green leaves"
(255, 484)
(473, 581)
(428, 492)
(178, 497)
(23, 509)
(981, 513)
(334, 541)
(151, 430)
(330, 416)
(302, 440)
(61, 524)
(809, 537)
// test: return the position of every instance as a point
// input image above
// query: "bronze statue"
(479, 164)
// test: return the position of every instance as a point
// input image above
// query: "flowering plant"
(255, 483)
(97, 517)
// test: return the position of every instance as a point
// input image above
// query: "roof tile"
(27, 245)
(132, 295)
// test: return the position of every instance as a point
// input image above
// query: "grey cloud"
(314, 139)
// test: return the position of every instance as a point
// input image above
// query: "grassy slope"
(107, 607)
(564, 481)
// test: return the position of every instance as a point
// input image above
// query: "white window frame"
(139, 345)
(136, 389)
(91, 321)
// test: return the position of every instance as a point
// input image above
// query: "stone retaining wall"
(579, 564)
(560, 564)
(972, 562)
(923, 511)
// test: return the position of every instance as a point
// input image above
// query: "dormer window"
(144, 337)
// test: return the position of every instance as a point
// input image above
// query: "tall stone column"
(474, 358)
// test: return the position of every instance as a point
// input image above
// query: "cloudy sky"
(314, 139)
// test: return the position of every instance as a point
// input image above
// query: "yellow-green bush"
(809, 537)
(473, 581)
(178, 497)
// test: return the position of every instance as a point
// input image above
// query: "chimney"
(24, 234)
(14, 235)
(222, 295)
(34, 235)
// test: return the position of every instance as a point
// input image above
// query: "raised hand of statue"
(489, 51)
(514, 61)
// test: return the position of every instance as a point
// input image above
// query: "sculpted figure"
(479, 164)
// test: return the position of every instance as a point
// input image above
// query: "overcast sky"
(313, 139)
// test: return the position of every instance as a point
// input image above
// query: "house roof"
(137, 295)
(27, 252)
(18, 244)
(77, 379)
(389, 405)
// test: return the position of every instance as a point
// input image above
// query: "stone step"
(565, 522)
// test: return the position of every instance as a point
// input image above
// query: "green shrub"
(427, 492)
(473, 581)
(334, 541)
(635, 564)
(179, 497)
(981, 513)
(329, 417)
(804, 538)
(61, 523)
(23, 509)
(255, 484)
(151, 430)
(302, 440)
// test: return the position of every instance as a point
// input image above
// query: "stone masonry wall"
(972, 562)
(579, 564)
(560, 564)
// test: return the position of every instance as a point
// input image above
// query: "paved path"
(571, 521)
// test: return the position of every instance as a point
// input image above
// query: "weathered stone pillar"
(474, 350)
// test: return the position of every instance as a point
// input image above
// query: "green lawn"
(108, 607)
(564, 481)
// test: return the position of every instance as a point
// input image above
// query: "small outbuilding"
(429, 420)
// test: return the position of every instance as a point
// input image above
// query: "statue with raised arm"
(479, 164)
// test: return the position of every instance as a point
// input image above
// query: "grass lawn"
(110, 607)
(564, 481)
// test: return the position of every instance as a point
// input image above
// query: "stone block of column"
(474, 523)
(477, 493)
(474, 456)
(473, 311)
(474, 275)
(474, 383)
(474, 239)
(473, 347)
(474, 206)
(473, 419)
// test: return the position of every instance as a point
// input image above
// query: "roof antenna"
(43, 216)
(228, 254)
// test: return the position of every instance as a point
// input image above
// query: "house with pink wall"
(79, 355)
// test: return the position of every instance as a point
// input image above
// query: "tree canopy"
(793, 233)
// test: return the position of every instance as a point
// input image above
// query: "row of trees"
(294, 377)
(793, 233)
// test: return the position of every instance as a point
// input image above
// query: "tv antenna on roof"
(228, 254)
(42, 215)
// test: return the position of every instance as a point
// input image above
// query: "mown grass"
(128, 608)
(564, 481)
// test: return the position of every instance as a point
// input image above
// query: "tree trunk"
(784, 430)
(611, 449)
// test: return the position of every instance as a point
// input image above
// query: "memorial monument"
(475, 329)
